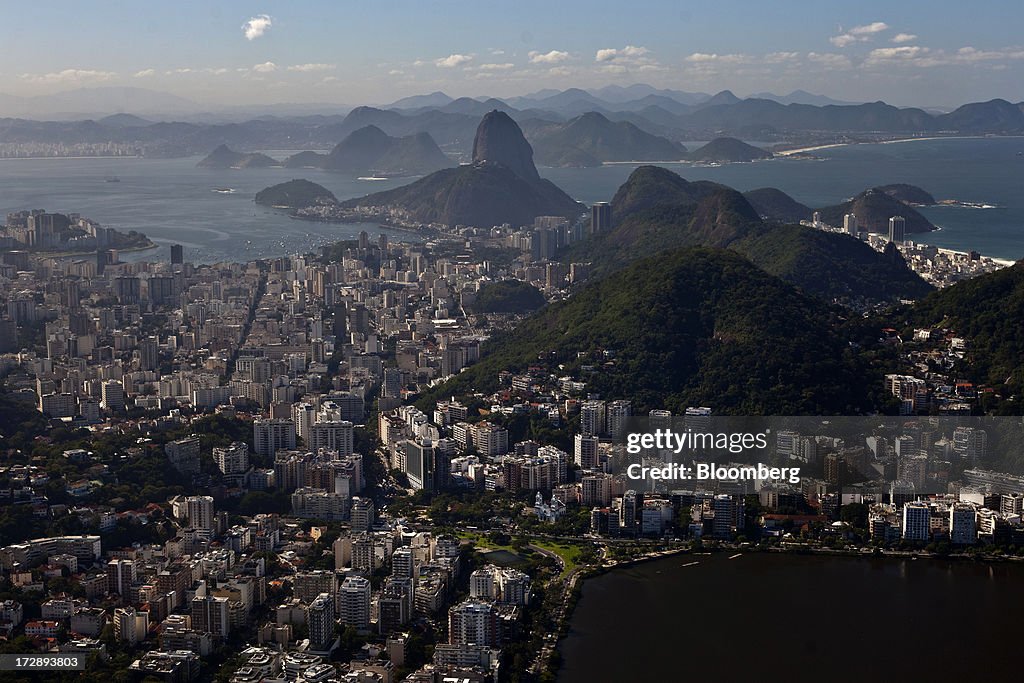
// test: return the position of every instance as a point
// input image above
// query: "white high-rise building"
(199, 510)
(850, 224)
(333, 436)
(354, 602)
(897, 229)
(473, 623)
(303, 415)
(618, 414)
(233, 459)
(270, 436)
(593, 418)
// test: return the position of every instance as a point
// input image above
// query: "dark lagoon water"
(795, 617)
(172, 201)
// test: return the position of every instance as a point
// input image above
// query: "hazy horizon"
(245, 53)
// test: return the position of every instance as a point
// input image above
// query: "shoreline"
(815, 148)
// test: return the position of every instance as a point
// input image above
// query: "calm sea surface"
(172, 201)
(788, 617)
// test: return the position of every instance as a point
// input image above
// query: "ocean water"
(172, 201)
(976, 170)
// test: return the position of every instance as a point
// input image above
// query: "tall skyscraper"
(897, 229)
(320, 618)
(586, 452)
(473, 623)
(850, 224)
(199, 510)
(600, 217)
(112, 393)
(354, 602)
(177, 254)
(270, 436)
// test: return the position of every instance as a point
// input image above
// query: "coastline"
(815, 148)
(125, 250)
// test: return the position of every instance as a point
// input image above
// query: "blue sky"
(923, 53)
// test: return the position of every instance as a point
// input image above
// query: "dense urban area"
(252, 472)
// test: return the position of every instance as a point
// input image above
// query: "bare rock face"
(499, 140)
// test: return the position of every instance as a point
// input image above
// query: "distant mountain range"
(371, 151)
(568, 127)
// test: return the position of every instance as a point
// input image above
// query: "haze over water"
(172, 201)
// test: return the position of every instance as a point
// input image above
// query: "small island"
(728, 150)
(296, 194)
(225, 157)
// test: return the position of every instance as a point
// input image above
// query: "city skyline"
(248, 53)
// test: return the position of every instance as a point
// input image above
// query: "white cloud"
(904, 38)
(714, 58)
(265, 68)
(396, 72)
(453, 60)
(610, 54)
(858, 34)
(257, 26)
(70, 76)
(145, 73)
(970, 54)
(830, 60)
(842, 40)
(496, 52)
(560, 71)
(311, 67)
(496, 67)
(780, 57)
(552, 57)
(869, 29)
(913, 55)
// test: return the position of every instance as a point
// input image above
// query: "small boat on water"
(223, 190)
(113, 179)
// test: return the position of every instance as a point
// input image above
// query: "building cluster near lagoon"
(255, 476)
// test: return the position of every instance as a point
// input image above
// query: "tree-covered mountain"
(989, 311)
(775, 205)
(728, 150)
(295, 194)
(688, 327)
(501, 185)
(591, 139)
(305, 160)
(830, 265)
(656, 210)
(908, 194)
(873, 209)
(225, 157)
